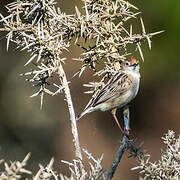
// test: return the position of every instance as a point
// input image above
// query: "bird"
(118, 92)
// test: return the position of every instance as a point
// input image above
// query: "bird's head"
(130, 64)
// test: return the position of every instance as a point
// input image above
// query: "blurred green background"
(25, 128)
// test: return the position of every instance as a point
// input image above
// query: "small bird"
(120, 90)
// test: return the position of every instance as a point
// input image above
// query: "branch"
(64, 82)
(126, 144)
(118, 157)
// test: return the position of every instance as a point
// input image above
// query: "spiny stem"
(64, 82)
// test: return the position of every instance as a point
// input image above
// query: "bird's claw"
(126, 132)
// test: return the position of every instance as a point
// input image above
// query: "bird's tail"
(88, 110)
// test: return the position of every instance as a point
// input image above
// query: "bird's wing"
(115, 87)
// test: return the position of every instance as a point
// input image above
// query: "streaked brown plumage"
(118, 91)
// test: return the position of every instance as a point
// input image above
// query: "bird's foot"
(126, 132)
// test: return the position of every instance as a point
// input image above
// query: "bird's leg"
(126, 119)
(115, 118)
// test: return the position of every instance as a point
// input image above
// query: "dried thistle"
(41, 29)
(46, 32)
(36, 26)
(15, 170)
(95, 171)
(46, 173)
(168, 167)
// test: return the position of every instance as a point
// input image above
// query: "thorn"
(149, 41)
(140, 51)
(143, 27)
(155, 33)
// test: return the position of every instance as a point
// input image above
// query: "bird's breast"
(128, 96)
(121, 100)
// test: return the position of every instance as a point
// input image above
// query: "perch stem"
(118, 157)
(64, 82)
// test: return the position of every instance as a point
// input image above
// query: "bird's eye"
(127, 64)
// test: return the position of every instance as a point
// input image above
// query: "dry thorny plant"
(40, 28)
(167, 168)
(16, 170)
(102, 31)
